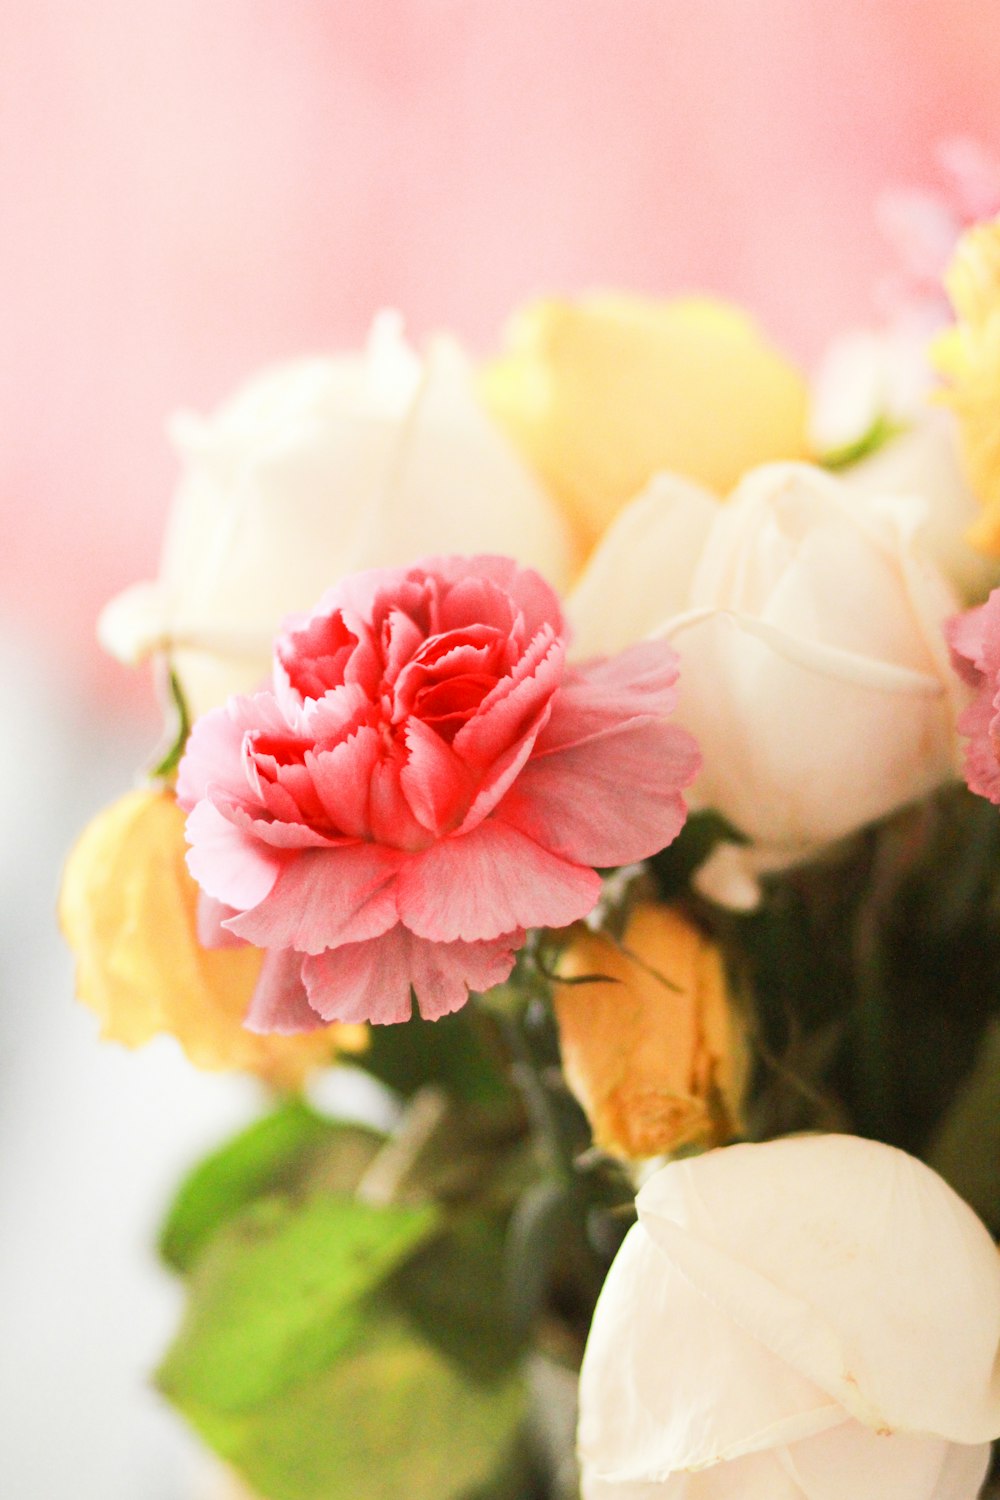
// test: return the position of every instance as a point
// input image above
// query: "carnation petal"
(212, 759)
(341, 777)
(367, 981)
(209, 918)
(277, 834)
(489, 881)
(598, 693)
(279, 1003)
(443, 974)
(517, 706)
(372, 981)
(536, 599)
(612, 799)
(227, 863)
(435, 782)
(325, 897)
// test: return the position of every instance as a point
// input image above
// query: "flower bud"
(604, 392)
(968, 356)
(128, 909)
(315, 469)
(815, 1318)
(650, 1050)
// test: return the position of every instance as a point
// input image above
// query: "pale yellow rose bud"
(604, 392)
(651, 1050)
(968, 356)
(128, 910)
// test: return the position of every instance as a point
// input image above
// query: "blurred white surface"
(93, 1140)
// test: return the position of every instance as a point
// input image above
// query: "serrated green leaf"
(274, 1154)
(276, 1295)
(391, 1419)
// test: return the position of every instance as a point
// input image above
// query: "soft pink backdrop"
(192, 187)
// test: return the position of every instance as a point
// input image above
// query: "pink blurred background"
(193, 187)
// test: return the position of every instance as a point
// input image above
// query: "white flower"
(874, 390)
(315, 469)
(814, 673)
(815, 1318)
(868, 380)
(924, 464)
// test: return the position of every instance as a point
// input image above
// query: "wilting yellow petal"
(128, 910)
(604, 392)
(968, 356)
(650, 1050)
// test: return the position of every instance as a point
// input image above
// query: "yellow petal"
(605, 392)
(650, 1050)
(968, 357)
(128, 910)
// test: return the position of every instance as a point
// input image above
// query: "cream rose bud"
(814, 673)
(924, 463)
(315, 469)
(874, 388)
(814, 1318)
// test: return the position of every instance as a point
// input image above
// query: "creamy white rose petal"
(816, 1318)
(814, 673)
(319, 468)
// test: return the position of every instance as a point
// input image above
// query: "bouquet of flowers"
(598, 749)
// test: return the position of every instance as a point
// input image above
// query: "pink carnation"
(974, 639)
(426, 779)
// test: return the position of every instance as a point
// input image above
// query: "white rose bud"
(814, 672)
(316, 469)
(815, 1318)
(877, 384)
(924, 463)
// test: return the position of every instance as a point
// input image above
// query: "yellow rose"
(968, 356)
(128, 910)
(651, 1050)
(604, 392)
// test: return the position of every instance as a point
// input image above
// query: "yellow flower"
(604, 392)
(968, 356)
(651, 1050)
(128, 910)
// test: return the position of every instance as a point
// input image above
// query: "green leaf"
(675, 865)
(275, 1296)
(537, 1228)
(275, 1154)
(452, 1291)
(391, 1419)
(966, 1146)
(881, 431)
(459, 1054)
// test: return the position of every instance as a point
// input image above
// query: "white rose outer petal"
(809, 629)
(816, 1318)
(319, 468)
